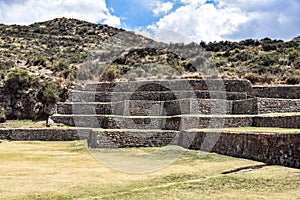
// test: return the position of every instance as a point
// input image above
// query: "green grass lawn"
(66, 170)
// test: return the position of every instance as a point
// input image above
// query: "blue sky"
(134, 13)
(139, 13)
(208, 20)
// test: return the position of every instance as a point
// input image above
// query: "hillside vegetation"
(39, 62)
(56, 48)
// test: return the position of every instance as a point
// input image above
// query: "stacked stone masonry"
(157, 113)
(271, 148)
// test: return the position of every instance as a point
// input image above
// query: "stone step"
(154, 108)
(289, 121)
(179, 122)
(228, 85)
(91, 96)
(117, 138)
(277, 91)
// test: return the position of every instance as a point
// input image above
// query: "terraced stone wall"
(154, 122)
(292, 121)
(43, 134)
(245, 106)
(281, 92)
(271, 148)
(229, 85)
(121, 139)
(273, 105)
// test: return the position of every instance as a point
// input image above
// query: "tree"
(18, 80)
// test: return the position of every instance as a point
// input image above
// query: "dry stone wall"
(150, 108)
(229, 85)
(292, 121)
(43, 134)
(270, 148)
(157, 113)
(245, 106)
(280, 92)
(273, 105)
(121, 139)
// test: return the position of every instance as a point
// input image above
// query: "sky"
(170, 20)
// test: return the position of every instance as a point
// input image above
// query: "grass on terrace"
(263, 129)
(253, 129)
(42, 124)
(27, 124)
(66, 170)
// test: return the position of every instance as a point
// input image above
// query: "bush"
(51, 93)
(18, 79)
(60, 66)
(38, 60)
(293, 55)
(256, 78)
(269, 47)
(292, 80)
(111, 74)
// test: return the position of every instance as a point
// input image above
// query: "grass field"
(66, 170)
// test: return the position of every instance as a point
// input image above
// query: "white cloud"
(161, 35)
(203, 22)
(161, 7)
(268, 18)
(30, 11)
(234, 19)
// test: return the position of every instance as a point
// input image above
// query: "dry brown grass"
(66, 170)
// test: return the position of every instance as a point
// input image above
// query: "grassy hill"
(56, 48)
(39, 62)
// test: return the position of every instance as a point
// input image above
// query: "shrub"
(111, 74)
(269, 46)
(293, 55)
(51, 93)
(256, 78)
(69, 73)
(18, 79)
(38, 60)
(6, 65)
(60, 66)
(292, 80)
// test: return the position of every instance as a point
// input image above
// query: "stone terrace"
(189, 113)
(170, 107)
